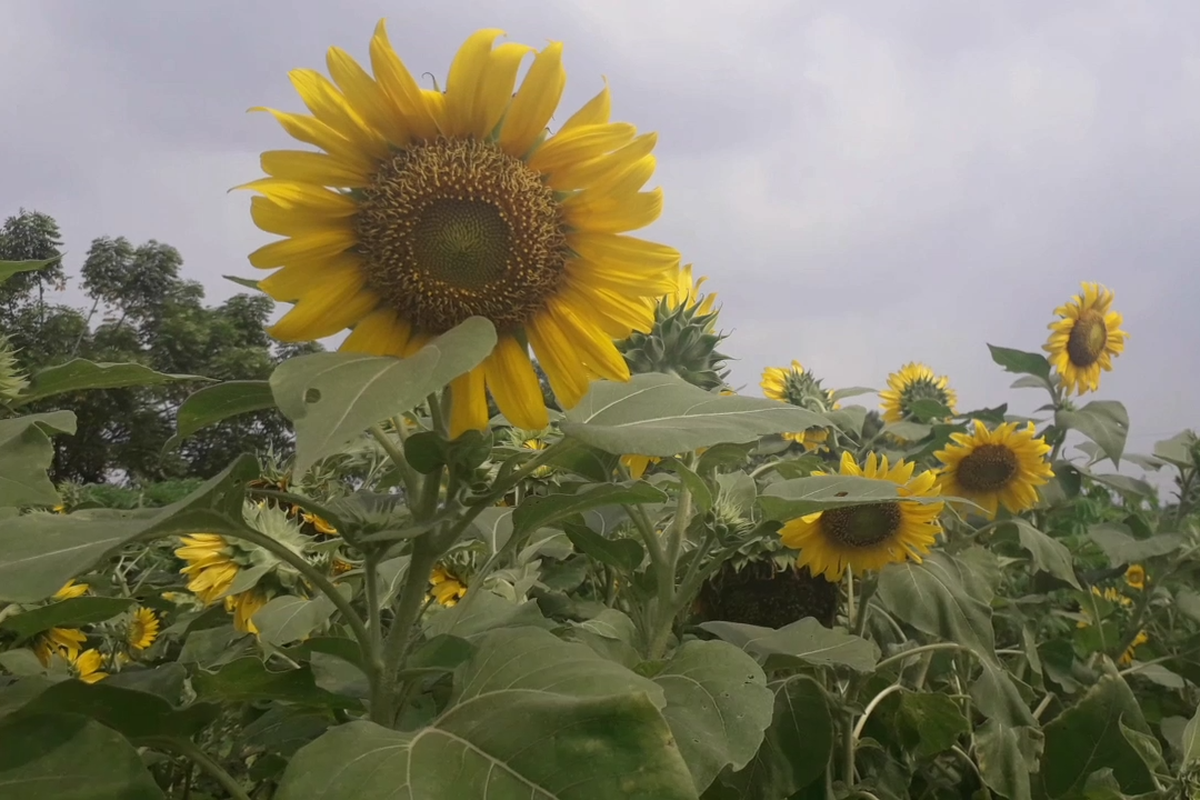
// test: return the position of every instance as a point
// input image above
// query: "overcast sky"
(864, 183)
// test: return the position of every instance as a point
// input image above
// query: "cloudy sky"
(864, 183)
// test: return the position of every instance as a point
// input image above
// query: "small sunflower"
(1135, 577)
(71, 589)
(447, 589)
(67, 641)
(911, 383)
(1086, 338)
(870, 536)
(319, 524)
(428, 207)
(143, 629)
(210, 566)
(1131, 651)
(799, 387)
(536, 444)
(86, 666)
(1002, 466)
(243, 606)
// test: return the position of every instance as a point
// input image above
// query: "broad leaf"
(718, 706)
(1105, 422)
(1006, 756)
(930, 597)
(222, 401)
(1121, 548)
(483, 611)
(1021, 362)
(852, 391)
(799, 496)
(494, 527)
(140, 716)
(537, 512)
(69, 757)
(623, 554)
(288, 618)
(662, 415)
(1189, 745)
(927, 723)
(997, 697)
(69, 613)
(331, 398)
(805, 641)
(25, 455)
(10, 268)
(249, 680)
(1049, 555)
(1178, 449)
(79, 375)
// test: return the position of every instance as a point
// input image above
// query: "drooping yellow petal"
(514, 385)
(584, 174)
(594, 112)
(380, 333)
(274, 218)
(366, 96)
(298, 280)
(557, 356)
(465, 79)
(400, 86)
(595, 347)
(625, 181)
(303, 196)
(614, 214)
(496, 89)
(309, 248)
(535, 102)
(319, 169)
(315, 132)
(652, 281)
(324, 313)
(617, 315)
(580, 145)
(329, 106)
(468, 403)
(625, 251)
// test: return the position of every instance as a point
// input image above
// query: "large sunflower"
(1005, 465)
(800, 387)
(911, 383)
(1086, 338)
(428, 207)
(873, 535)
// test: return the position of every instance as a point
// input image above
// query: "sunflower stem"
(374, 618)
(426, 551)
(201, 759)
(396, 454)
(850, 616)
(864, 606)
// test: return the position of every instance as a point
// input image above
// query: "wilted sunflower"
(428, 207)
(86, 666)
(799, 387)
(143, 629)
(911, 383)
(71, 589)
(210, 566)
(1005, 465)
(1086, 339)
(869, 536)
(243, 606)
(66, 641)
(446, 588)
(1135, 577)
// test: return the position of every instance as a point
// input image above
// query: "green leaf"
(1122, 483)
(41, 552)
(249, 680)
(1190, 742)
(1121, 548)
(222, 401)
(928, 723)
(997, 697)
(25, 455)
(702, 495)
(69, 757)
(540, 511)
(1105, 422)
(930, 597)
(331, 398)
(797, 745)
(852, 391)
(1049, 555)
(287, 618)
(908, 431)
(507, 746)
(494, 527)
(718, 706)
(662, 415)
(1006, 756)
(623, 554)
(70, 613)
(1087, 737)
(849, 419)
(1178, 449)
(805, 641)
(1146, 746)
(1188, 602)
(1021, 362)
(79, 374)
(799, 496)
(483, 611)
(139, 716)
(10, 268)
(927, 410)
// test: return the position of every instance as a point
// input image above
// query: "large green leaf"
(805, 641)
(1049, 555)
(662, 415)
(10, 268)
(25, 455)
(718, 706)
(796, 747)
(215, 403)
(1021, 362)
(997, 697)
(70, 613)
(927, 723)
(140, 716)
(623, 554)
(1178, 449)
(1087, 737)
(1105, 422)
(288, 618)
(537, 512)
(1189, 745)
(69, 757)
(518, 745)
(1006, 757)
(799, 496)
(483, 611)
(331, 398)
(79, 374)
(248, 680)
(1121, 548)
(930, 596)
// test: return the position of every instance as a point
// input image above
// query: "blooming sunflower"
(911, 383)
(86, 666)
(71, 589)
(143, 629)
(1086, 338)
(447, 588)
(243, 606)
(799, 387)
(1131, 651)
(210, 567)
(427, 207)
(873, 535)
(1135, 577)
(1005, 465)
(67, 641)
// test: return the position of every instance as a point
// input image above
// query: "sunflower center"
(922, 389)
(1087, 339)
(862, 526)
(458, 228)
(988, 468)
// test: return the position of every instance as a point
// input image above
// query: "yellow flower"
(1005, 465)
(446, 589)
(320, 524)
(687, 293)
(799, 387)
(1141, 638)
(1135, 577)
(426, 208)
(538, 444)
(243, 606)
(67, 641)
(911, 383)
(209, 566)
(1085, 339)
(1113, 596)
(143, 629)
(70, 589)
(869, 536)
(86, 666)
(637, 465)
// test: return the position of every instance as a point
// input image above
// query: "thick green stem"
(187, 748)
(426, 551)
(864, 605)
(374, 617)
(396, 454)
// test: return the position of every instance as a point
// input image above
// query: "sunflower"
(536, 444)
(1085, 339)
(67, 641)
(687, 293)
(799, 387)
(142, 630)
(1113, 596)
(1131, 651)
(243, 606)
(638, 464)
(210, 565)
(1135, 577)
(872, 535)
(429, 207)
(71, 589)
(911, 383)
(1005, 465)
(86, 666)
(319, 524)
(447, 588)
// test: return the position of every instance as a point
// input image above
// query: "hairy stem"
(396, 454)
(426, 551)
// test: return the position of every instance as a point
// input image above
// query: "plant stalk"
(187, 748)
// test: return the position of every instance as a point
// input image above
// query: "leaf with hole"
(213, 404)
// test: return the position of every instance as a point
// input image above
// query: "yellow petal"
(316, 168)
(585, 173)
(621, 182)
(309, 248)
(496, 90)
(615, 314)
(465, 79)
(535, 102)
(329, 106)
(380, 333)
(312, 131)
(296, 281)
(580, 145)
(615, 214)
(594, 112)
(400, 86)
(303, 196)
(624, 251)
(647, 281)
(557, 356)
(594, 346)
(468, 403)
(324, 313)
(366, 96)
(514, 385)
(274, 218)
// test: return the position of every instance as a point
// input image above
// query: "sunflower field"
(527, 542)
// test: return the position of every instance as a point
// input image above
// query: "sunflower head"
(142, 629)
(1135, 577)
(766, 593)
(87, 666)
(70, 590)
(871, 535)
(446, 587)
(243, 606)
(800, 387)
(1000, 466)
(211, 564)
(911, 383)
(61, 641)
(1085, 338)
(423, 208)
